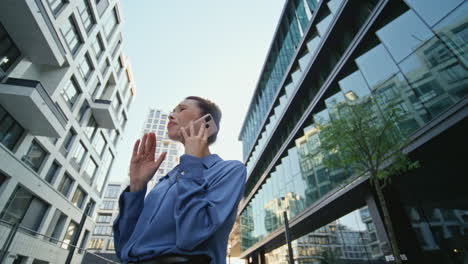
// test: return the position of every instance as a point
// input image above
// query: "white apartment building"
(65, 91)
(102, 240)
(156, 122)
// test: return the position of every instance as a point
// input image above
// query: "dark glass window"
(52, 173)
(110, 23)
(83, 109)
(86, 67)
(72, 35)
(56, 5)
(104, 218)
(9, 53)
(65, 185)
(56, 226)
(79, 197)
(35, 156)
(25, 208)
(91, 128)
(79, 155)
(86, 14)
(83, 242)
(71, 229)
(91, 207)
(71, 92)
(10, 130)
(98, 46)
(112, 191)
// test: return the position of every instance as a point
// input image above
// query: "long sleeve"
(130, 207)
(202, 206)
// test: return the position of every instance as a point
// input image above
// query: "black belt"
(175, 259)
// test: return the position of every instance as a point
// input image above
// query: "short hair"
(208, 107)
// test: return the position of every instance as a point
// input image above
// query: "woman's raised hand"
(143, 165)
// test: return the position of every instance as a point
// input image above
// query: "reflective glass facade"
(290, 30)
(414, 56)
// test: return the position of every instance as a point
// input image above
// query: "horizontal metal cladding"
(294, 22)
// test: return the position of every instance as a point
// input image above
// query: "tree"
(367, 139)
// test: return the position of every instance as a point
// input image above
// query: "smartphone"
(208, 122)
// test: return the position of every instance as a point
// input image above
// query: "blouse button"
(182, 173)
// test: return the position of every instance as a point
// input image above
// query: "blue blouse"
(190, 211)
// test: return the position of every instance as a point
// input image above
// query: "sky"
(209, 48)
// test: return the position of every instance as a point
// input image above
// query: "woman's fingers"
(205, 134)
(192, 129)
(201, 130)
(135, 148)
(143, 144)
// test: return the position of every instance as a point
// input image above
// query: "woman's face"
(181, 116)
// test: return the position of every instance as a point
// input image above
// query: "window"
(69, 234)
(100, 144)
(68, 141)
(97, 243)
(105, 66)
(86, 67)
(102, 230)
(25, 208)
(66, 184)
(91, 128)
(110, 24)
(112, 191)
(95, 90)
(10, 130)
(9, 53)
(108, 205)
(104, 218)
(3, 179)
(35, 156)
(71, 35)
(83, 242)
(79, 155)
(91, 168)
(98, 46)
(56, 5)
(56, 226)
(110, 246)
(52, 173)
(79, 197)
(118, 66)
(117, 102)
(71, 92)
(83, 110)
(38, 261)
(92, 204)
(107, 162)
(86, 15)
(164, 117)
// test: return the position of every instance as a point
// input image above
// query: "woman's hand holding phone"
(195, 142)
(143, 165)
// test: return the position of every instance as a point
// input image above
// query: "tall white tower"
(156, 122)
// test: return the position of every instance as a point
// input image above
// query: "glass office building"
(410, 53)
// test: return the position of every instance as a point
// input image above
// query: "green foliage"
(366, 139)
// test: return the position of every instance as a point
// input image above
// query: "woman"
(188, 215)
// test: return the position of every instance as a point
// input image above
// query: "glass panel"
(345, 240)
(71, 229)
(404, 34)
(433, 10)
(35, 156)
(376, 56)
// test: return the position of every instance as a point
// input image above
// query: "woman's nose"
(171, 116)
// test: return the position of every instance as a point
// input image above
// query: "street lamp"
(286, 232)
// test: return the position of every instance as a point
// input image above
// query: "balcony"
(30, 104)
(104, 114)
(31, 28)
